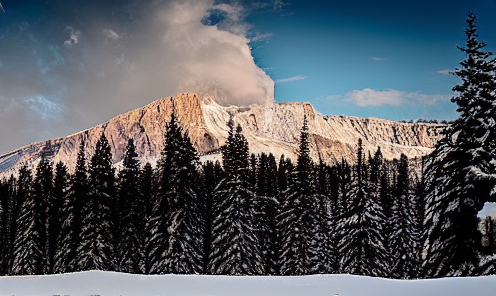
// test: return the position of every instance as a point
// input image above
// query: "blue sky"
(386, 59)
(67, 65)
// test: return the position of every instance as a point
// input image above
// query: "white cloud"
(113, 56)
(259, 36)
(369, 97)
(374, 98)
(444, 72)
(378, 59)
(291, 79)
(74, 36)
(111, 34)
(44, 108)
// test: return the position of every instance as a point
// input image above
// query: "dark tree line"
(256, 215)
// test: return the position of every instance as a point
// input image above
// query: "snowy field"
(110, 283)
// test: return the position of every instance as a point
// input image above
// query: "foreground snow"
(111, 283)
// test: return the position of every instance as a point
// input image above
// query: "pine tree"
(387, 206)
(361, 243)
(72, 216)
(129, 221)
(298, 218)
(55, 217)
(335, 217)
(46, 206)
(4, 226)
(235, 248)
(419, 210)
(465, 162)
(10, 210)
(179, 237)
(211, 176)
(146, 182)
(376, 216)
(325, 217)
(267, 211)
(28, 253)
(402, 240)
(97, 238)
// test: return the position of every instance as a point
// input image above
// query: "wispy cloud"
(378, 59)
(111, 34)
(259, 36)
(74, 36)
(369, 97)
(373, 98)
(291, 79)
(444, 72)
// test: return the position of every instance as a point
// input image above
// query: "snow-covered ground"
(111, 283)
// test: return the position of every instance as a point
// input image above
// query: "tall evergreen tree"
(375, 214)
(361, 244)
(178, 221)
(267, 211)
(97, 237)
(54, 215)
(298, 219)
(466, 165)
(325, 217)
(4, 227)
(72, 216)
(9, 224)
(402, 240)
(211, 176)
(129, 223)
(42, 192)
(28, 253)
(147, 179)
(235, 245)
(419, 210)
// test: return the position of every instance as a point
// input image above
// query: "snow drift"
(110, 283)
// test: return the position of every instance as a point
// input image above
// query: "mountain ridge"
(273, 127)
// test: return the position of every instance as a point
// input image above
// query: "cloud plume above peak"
(87, 61)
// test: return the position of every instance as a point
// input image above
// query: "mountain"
(268, 128)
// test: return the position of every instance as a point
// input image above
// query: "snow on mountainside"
(114, 284)
(268, 128)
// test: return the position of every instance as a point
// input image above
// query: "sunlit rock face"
(271, 128)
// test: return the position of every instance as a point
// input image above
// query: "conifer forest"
(264, 214)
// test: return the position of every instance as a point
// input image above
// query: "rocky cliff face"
(270, 128)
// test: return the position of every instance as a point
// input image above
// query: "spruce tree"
(146, 181)
(4, 226)
(211, 176)
(325, 214)
(55, 215)
(361, 243)
(129, 218)
(97, 237)
(402, 241)
(10, 209)
(29, 256)
(72, 216)
(298, 220)
(465, 162)
(235, 248)
(178, 224)
(376, 216)
(267, 211)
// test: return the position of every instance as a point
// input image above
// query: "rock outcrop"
(269, 128)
